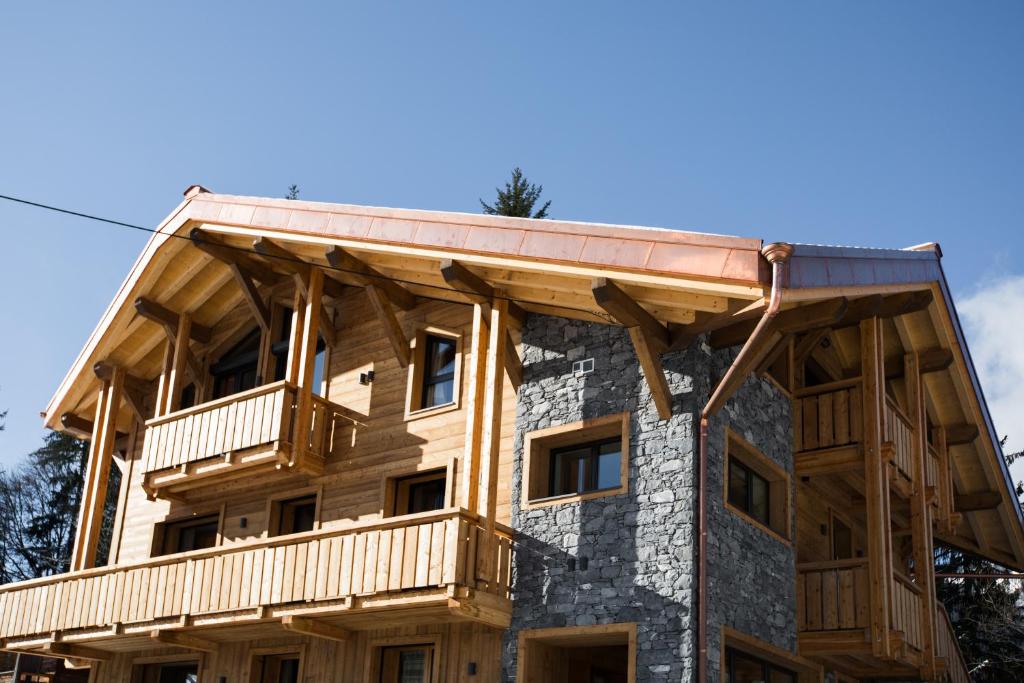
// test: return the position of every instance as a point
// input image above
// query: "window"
(296, 515)
(748, 491)
(421, 492)
(407, 664)
(756, 487)
(278, 668)
(842, 540)
(589, 467)
(743, 668)
(576, 461)
(193, 533)
(171, 672)
(235, 371)
(438, 372)
(605, 653)
(279, 352)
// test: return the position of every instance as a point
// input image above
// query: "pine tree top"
(517, 199)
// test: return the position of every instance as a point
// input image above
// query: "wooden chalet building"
(375, 445)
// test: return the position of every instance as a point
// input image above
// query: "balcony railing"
(193, 447)
(906, 610)
(833, 596)
(947, 648)
(326, 572)
(828, 415)
(900, 433)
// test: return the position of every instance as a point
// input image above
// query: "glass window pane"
(318, 372)
(759, 498)
(439, 393)
(440, 357)
(608, 469)
(425, 496)
(179, 673)
(567, 471)
(746, 669)
(737, 485)
(412, 666)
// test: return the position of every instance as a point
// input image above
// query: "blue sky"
(873, 123)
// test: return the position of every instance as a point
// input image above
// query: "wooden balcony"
(241, 434)
(951, 660)
(833, 622)
(436, 566)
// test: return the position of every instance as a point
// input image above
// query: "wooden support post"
(650, 362)
(469, 468)
(513, 363)
(490, 432)
(876, 485)
(315, 628)
(163, 388)
(293, 371)
(392, 328)
(179, 364)
(307, 364)
(920, 512)
(101, 449)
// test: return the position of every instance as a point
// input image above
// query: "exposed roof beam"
(365, 275)
(288, 261)
(315, 628)
(216, 248)
(791, 321)
(252, 296)
(77, 652)
(629, 313)
(983, 500)
(738, 311)
(513, 364)
(183, 640)
(392, 328)
(80, 428)
(475, 289)
(889, 306)
(162, 315)
(931, 360)
(805, 347)
(105, 371)
(960, 435)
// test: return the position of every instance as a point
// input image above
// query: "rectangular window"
(743, 668)
(589, 467)
(421, 492)
(438, 372)
(408, 664)
(171, 672)
(295, 515)
(756, 486)
(193, 533)
(283, 668)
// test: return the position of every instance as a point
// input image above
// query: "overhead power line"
(253, 252)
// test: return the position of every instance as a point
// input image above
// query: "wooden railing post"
(101, 450)
(920, 512)
(876, 484)
(176, 378)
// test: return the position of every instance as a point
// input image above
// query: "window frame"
(588, 636)
(539, 445)
(415, 389)
(590, 461)
(138, 664)
(160, 529)
(252, 673)
(395, 499)
(803, 669)
(273, 511)
(779, 489)
(375, 652)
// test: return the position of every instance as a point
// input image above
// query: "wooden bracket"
(626, 311)
(252, 296)
(225, 253)
(982, 500)
(392, 328)
(364, 275)
(650, 362)
(473, 288)
(151, 310)
(961, 435)
(315, 628)
(185, 640)
(70, 651)
(296, 265)
(513, 363)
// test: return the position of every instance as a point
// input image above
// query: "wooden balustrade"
(426, 550)
(906, 610)
(900, 433)
(948, 649)
(833, 596)
(827, 415)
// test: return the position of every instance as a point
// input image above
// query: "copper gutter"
(778, 255)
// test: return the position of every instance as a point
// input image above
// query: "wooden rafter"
(221, 251)
(151, 310)
(960, 435)
(982, 500)
(476, 290)
(791, 321)
(810, 341)
(185, 640)
(704, 322)
(251, 293)
(392, 328)
(649, 336)
(73, 651)
(286, 260)
(365, 275)
(315, 628)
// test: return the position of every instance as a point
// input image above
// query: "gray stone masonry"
(640, 544)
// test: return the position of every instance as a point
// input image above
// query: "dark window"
(182, 536)
(176, 672)
(421, 492)
(279, 350)
(235, 371)
(749, 491)
(743, 668)
(296, 515)
(590, 467)
(406, 664)
(279, 669)
(438, 372)
(188, 397)
(842, 540)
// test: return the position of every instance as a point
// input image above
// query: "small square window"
(421, 492)
(277, 668)
(294, 515)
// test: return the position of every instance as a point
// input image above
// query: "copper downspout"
(778, 255)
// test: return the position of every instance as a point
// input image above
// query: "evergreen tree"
(517, 199)
(293, 192)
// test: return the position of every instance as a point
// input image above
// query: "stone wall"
(640, 545)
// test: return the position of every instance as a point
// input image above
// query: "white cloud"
(993, 318)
